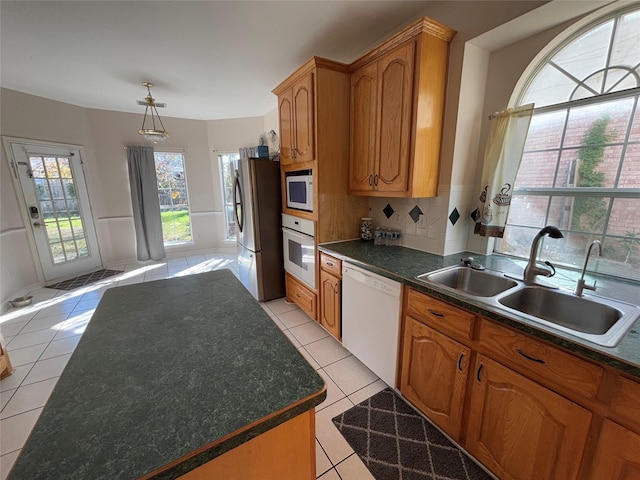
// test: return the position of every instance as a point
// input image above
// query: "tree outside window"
(580, 169)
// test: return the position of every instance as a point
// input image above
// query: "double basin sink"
(600, 320)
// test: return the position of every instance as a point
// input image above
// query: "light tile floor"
(40, 339)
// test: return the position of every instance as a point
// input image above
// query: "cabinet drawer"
(302, 296)
(331, 265)
(440, 315)
(542, 362)
(626, 403)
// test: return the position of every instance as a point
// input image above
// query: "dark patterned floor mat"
(395, 442)
(84, 279)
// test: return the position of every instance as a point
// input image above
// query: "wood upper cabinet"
(396, 102)
(296, 113)
(313, 107)
(434, 375)
(364, 87)
(521, 430)
(617, 455)
(397, 106)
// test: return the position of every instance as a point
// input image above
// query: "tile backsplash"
(428, 223)
(419, 219)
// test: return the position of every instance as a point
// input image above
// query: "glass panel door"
(57, 208)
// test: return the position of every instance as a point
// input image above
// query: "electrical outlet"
(9, 272)
(422, 222)
(396, 217)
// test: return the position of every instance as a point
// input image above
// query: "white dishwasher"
(371, 320)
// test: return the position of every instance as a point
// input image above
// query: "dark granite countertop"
(404, 264)
(168, 375)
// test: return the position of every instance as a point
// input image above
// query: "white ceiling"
(208, 59)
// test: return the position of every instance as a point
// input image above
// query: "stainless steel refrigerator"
(258, 207)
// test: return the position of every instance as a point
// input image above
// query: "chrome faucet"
(532, 270)
(581, 283)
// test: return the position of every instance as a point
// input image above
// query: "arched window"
(581, 166)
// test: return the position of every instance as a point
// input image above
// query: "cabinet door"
(395, 91)
(617, 455)
(285, 113)
(330, 295)
(434, 375)
(363, 148)
(303, 128)
(521, 430)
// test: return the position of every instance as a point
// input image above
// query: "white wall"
(104, 134)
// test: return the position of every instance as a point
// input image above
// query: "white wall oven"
(299, 185)
(299, 249)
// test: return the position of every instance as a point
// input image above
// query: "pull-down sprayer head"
(550, 230)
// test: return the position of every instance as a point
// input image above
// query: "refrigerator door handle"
(238, 202)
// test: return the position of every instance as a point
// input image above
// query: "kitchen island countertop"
(404, 264)
(168, 375)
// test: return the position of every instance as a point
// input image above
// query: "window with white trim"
(228, 165)
(581, 166)
(174, 201)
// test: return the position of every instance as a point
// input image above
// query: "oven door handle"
(303, 237)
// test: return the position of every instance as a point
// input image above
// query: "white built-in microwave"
(299, 185)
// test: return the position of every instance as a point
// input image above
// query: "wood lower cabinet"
(331, 294)
(302, 296)
(330, 303)
(521, 430)
(434, 375)
(524, 408)
(618, 454)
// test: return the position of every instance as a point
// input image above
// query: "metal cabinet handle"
(436, 314)
(375, 180)
(329, 264)
(370, 180)
(460, 361)
(529, 357)
(478, 372)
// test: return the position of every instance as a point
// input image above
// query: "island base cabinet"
(522, 431)
(286, 452)
(434, 375)
(618, 454)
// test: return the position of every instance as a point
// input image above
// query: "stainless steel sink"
(600, 320)
(479, 283)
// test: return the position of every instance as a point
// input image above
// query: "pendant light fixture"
(149, 130)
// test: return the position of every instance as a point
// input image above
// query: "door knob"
(37, 224)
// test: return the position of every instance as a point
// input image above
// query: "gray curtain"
(146, 206)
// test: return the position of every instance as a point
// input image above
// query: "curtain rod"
(169, 150)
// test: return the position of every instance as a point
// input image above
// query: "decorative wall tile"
(415, 214)
(388, 211)
(454, 216)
